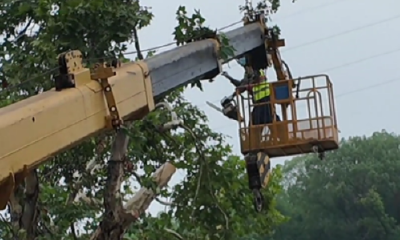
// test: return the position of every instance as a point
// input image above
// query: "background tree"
(64, 197)
(352, 195)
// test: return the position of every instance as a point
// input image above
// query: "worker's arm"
(234, 81)
(243, 85)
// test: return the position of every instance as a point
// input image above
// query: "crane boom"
(41, 126)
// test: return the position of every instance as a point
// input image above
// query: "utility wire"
(11, 87)
(52, 70)
(230, 25)
(344, 65)
(235, 23)
(365, 26)
(289, 48)
(362, 60)
(309, 9)
(174, 43)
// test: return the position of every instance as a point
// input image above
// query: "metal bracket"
(101, 74)
(69, 63)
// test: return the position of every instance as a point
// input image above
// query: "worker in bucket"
(260, 91)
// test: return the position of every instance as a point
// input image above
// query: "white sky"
(360, 59)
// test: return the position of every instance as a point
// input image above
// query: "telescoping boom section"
(86, 102)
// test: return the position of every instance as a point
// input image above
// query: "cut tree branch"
(143, 198)
(137, 177)
(139, 203)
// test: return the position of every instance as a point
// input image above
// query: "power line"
(339, 66)
(317, 40)
(49, 71)
(237, 22)
(362, 60)
(369, 87)
(11, 87)
(174, 43)
(344, 32)
(321, 39)
(290, 48)
(233, 24)
(309, 9)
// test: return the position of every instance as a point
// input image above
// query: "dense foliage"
(352, 195)
(212, 202)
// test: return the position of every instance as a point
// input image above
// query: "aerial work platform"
(308, 120)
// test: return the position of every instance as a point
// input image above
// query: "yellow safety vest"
(261, 90)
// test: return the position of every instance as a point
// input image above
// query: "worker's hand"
(225, 74)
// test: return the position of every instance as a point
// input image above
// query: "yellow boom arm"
(41, 126)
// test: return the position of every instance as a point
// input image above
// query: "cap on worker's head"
(241, 61)
(259, 75)
(262, 75)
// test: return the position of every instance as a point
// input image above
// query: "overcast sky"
(356, 42)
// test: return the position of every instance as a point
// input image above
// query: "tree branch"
(77, 194)
(142, 199)
(165, 203)
(16, 209)
(137, 177)
(175, 234)
(31, 212)
(73, 231)
(199, 149)
(23, 31)
(110, 226)
(137, 44)
(138, 203)
(25, 216)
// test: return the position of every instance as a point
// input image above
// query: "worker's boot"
(252, 171)
(254, 180)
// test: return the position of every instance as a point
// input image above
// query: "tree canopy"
(68, 197)
(352, 195)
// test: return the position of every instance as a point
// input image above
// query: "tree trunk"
(23, 206)
(111, 227)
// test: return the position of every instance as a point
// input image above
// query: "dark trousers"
(263, 114)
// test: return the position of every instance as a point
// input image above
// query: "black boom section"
(181, 65)
(198, 60)
(245, 39)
